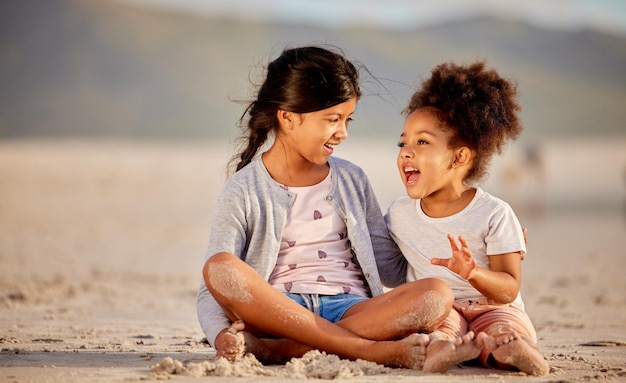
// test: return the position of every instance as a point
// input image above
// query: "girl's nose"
(342, 133)
(406, 153)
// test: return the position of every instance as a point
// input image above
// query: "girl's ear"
(285, 119)
(462, 157)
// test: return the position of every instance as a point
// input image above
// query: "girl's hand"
(230, 343)
(462, 262)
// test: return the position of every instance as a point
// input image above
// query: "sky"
(604, 15)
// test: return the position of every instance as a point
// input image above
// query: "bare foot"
(409, 352)
(232, 343)
(273, 350)
(517, 351)
(442, 354)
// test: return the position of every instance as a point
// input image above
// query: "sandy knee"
(445, 291)
(437, 301)
(442, 290)
(224, 278)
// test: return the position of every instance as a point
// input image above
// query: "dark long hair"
(300, 80)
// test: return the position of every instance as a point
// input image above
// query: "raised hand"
(462, 262)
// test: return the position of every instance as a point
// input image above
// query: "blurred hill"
(92, 69)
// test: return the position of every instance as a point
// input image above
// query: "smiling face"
(425, 160)
(313, 136)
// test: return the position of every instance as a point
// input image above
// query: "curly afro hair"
(476, 105)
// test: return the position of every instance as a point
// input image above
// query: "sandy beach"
(102, 243)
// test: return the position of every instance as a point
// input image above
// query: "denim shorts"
(329, 307)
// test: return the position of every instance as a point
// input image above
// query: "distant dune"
(83, 68)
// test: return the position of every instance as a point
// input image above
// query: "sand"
(102, 243)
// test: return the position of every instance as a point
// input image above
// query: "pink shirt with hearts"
(315, 255)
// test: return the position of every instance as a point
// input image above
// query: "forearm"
(210, 315)
(496, 285)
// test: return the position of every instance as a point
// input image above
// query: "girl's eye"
(419, 142)
(336, 120)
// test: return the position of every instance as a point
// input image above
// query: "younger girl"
(460, 117)
(298, 245)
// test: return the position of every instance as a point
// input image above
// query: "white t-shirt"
(488, 224)
(315, 255)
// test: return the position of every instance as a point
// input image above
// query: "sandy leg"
(443, 354)
(513, 350)
(272, 351)
(409, 352)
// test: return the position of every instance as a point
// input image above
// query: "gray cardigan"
(249, 216)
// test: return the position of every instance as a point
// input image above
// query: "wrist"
(471, 275)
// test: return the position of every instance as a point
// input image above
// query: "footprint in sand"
(604, 343)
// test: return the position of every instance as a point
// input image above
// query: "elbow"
(506, 299)
(507, 296)
(508, 289)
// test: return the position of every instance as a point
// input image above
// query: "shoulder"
(251, 170)
(402, 203)
(348, 175)
(493, 209)
(252, 175)
(401, 209)
(345, 167)
(243, 182)
(487, 201)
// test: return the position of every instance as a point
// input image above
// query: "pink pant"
(484, 316)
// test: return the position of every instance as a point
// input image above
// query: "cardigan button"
(329, 198)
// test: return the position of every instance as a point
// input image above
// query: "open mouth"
(411, 174)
